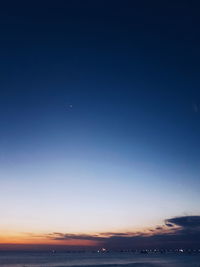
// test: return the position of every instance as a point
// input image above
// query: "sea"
(111, 259)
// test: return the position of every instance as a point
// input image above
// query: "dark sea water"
(61, 259)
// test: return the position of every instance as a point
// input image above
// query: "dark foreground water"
(47, 259)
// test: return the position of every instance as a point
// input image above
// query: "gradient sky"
(99, 115)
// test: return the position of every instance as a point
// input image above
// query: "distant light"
(102, 250)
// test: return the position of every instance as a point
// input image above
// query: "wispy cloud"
(66, 236)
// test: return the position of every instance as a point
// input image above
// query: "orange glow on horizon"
(31, 239)
(12, 239)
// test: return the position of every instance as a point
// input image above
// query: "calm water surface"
(61, 259)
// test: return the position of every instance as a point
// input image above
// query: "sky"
(100, 123)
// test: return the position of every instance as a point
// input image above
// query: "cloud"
(169, 224)
(66, 236)
(186, 222)
(159, 228)
(176, 232)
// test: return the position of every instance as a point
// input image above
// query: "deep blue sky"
(100, 94)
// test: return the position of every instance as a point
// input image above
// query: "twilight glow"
(99, 139)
